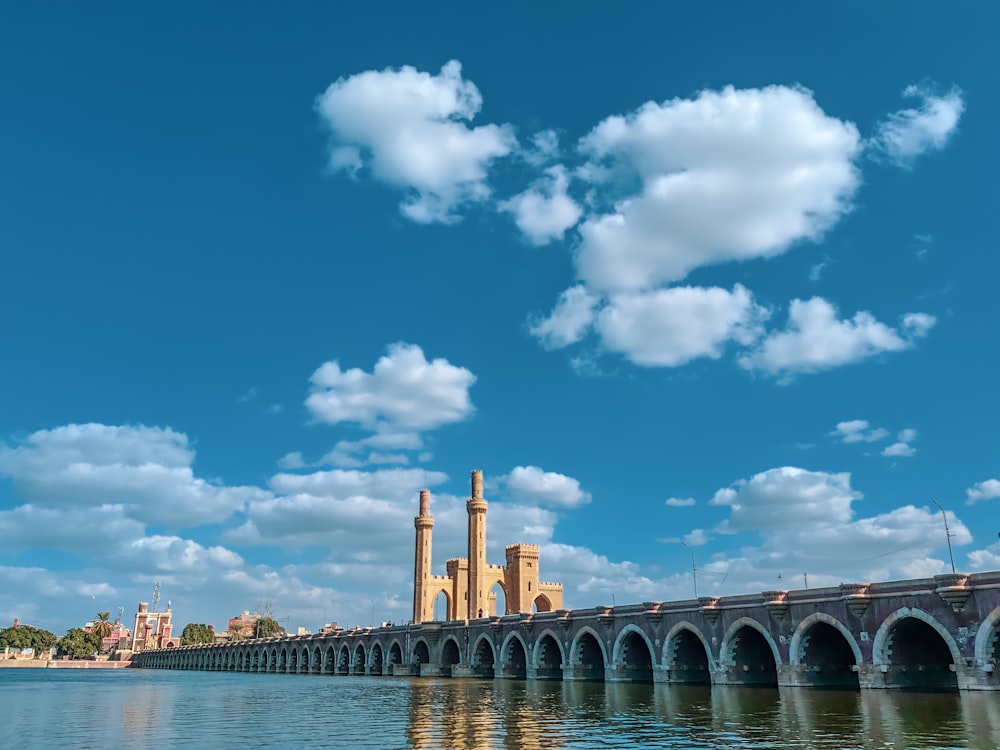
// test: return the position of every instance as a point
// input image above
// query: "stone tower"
(422, 596)
(477, 591)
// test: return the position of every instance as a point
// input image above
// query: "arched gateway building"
(468, 582)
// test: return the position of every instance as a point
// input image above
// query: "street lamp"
(324, 616)
(947, 534)
(694, 569)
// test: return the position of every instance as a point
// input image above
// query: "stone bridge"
(931, 633)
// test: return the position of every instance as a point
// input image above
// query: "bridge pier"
(429, 669)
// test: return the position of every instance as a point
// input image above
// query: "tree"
(102, 626)
(25, 636)
(77, 644)
(266, 627)
(196, 633)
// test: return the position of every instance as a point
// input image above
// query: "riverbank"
(62, 664)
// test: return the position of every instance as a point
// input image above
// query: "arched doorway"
(687, 659)
(918, 657)
(828, 658)
(549, 659)
(635, 660)
(441, 607)
(449, 656)
(541, 604)
(751, 659)
(498, 600)
(589, 658)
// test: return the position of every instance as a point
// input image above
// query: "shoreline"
(60, 664)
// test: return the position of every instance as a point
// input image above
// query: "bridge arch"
(344, 660)
(449, 606)
(548, 656)
(633, 655)
(750, 652)
(587, 655)
(484, 657)
(936, 660)
(514, 656)
(360, 658)
(987, 637)
(450, 655)
(827, 651)
(330, 659)
(376, 657)
(421, 652)
(316, 662)
(687, 655)
(395, 652)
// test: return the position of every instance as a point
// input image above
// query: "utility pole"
(947, 534)
(694, 569)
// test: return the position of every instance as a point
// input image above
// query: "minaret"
(476, 507)
(422, 607)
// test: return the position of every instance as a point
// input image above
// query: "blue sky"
(664, 273)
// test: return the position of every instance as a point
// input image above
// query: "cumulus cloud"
(670, 327)
(859, 431)
(530, 483)
(728, 175)
(403, 396)
(409, 129)
(985, 490)
(145, 470)
(786, 497)
(544, 211)
(569, 321)
(806, 521)
(909, 133)
(815, 339)
(902, 448)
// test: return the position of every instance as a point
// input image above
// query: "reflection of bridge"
(929, 633)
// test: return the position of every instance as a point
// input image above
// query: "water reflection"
(472, 714)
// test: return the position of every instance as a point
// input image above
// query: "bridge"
(929, 633)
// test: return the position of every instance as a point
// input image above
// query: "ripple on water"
(139, 709)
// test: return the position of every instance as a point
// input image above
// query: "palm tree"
(102, 626)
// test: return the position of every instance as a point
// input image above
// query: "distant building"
(153, 629)
(242, 626)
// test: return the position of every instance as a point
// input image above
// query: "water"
(46, 708)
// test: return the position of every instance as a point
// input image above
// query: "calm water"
(46, 708)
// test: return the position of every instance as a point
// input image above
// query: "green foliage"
(25, 636)
(102, 626)
(77, 644)
(266, 627)
(196, 633)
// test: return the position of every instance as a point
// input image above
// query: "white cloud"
(909, 133)
(544, 148)
(532, 484)
(292, 460)
(544, 211)
(670, 327)
(902, 447)
(816, 339)
(729, 175)
(403, 395)
(985, 490)
(859, 431)
(806, 522)
(787, 497)
(145, 470)
(697, 538)
(569, 321)
(408, 128)
(680, 502)
(398, 484)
